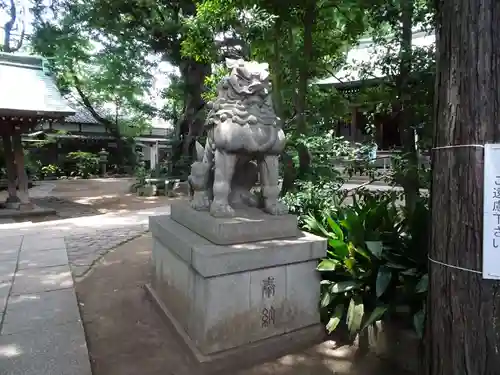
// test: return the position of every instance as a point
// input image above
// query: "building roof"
(363, 54)
(82, 115)
(28, 89)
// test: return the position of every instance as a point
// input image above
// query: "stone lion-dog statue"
(244, 141)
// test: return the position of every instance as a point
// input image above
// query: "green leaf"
(335, 228)
(344, 286)
(362, 252)
(418, 323)
(326, 282)
(327, 298)
(384, 277)
(340, 247)
(323, 230)
(311, 223)
(327, 265)
(409, 272)
(375, 248)
(423, 284)
(375, 316)
(335, 318)
(350, 263)
(395, 266)
(355, 314)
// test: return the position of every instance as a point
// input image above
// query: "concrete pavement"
(41, 332)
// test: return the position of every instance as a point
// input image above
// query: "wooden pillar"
(11, 169)
(21, 171)
(381, 133)
(354, 124)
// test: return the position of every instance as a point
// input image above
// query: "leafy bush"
(142, 174)
(33, 166)
(50, 170)
(316, 188)
(316, 199)
(85, 164)
(376, 262)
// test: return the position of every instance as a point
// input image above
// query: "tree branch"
(228, 47)
(9, 25)
(108, 124)
(346, 97)
(21, 38)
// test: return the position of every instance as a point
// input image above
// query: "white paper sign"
(491, 212)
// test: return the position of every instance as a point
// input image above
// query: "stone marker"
(230, 270)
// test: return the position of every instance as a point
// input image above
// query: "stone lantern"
(103, 160)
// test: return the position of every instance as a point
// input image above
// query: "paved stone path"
(86, 248)
(41, 332)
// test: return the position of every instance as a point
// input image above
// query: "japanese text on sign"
(267, 317)
(491, 212)
(268, 287)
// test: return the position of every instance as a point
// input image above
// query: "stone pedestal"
(226, 294)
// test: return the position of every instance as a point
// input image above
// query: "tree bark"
(410, 181)
(193, 75)
(191, 123)
(308, 21)
(463, 331)
(277, 71)
(11, 168)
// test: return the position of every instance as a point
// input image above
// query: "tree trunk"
(193, 75)
(11, 168)
(277, 71)
(410, 180)
(308, 20)
(463, 333)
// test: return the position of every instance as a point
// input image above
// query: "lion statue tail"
(199, 151)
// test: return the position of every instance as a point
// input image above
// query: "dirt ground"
(77, 198)
(126, 335)
(105, 195)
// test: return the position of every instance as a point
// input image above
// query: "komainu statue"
(244, 141)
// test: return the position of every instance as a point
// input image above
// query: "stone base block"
(242, 356)
(248, 225)
(228, 297)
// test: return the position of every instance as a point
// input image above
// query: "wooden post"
(463, 330)
(354, 124)
(11, 169)
(21, 171)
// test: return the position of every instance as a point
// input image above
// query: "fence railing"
(383, 161)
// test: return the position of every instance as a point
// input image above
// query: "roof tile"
(27, 87)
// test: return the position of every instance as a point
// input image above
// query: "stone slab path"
(41, 332)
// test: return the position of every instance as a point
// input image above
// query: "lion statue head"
(247, 78)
